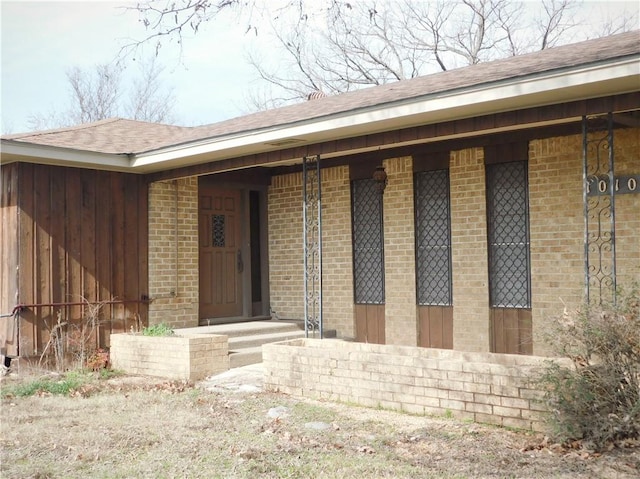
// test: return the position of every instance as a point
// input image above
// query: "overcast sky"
(42, 40)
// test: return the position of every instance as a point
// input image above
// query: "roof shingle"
(122, 136)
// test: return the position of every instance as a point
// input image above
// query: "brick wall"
(399, 255)
(483, 387)
(173, 252)
(557, 225)
(469, 251)
(191, 357)
(556, 221)
(286, 268)
(627, 162)
(337, 252)
(286, 265)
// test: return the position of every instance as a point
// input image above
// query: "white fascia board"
(28, 152)
(505, 95)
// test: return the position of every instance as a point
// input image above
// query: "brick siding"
(399, 255)
(469, 251)
(173, 254)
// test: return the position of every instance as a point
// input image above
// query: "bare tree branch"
(340, 45)
(98, 94)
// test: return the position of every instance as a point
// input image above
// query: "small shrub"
(597, 399)
(99, 360)
(158, 330)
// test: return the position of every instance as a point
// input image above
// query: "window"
(508, 231)
(433, 238)
(368, 242)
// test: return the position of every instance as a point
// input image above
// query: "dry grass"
(138, 427)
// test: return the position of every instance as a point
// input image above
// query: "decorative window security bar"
(368, 242)
(599, 209)
(508, 225)
(433, 238)
(312, 232)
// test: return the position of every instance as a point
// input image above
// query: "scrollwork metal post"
(599, 209)
(312, 232)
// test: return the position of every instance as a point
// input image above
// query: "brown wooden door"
(221, 261)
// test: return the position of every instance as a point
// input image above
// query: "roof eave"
(15, 150)
(591, 81)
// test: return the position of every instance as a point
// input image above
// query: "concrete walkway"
(245, 379)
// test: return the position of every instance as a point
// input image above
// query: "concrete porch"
(246, 338)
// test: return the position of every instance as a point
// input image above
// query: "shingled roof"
(122, 136)
(114, 135)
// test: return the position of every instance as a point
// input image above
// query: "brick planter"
(190, 356)
(483, 387)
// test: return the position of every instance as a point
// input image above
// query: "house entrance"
(220, 254)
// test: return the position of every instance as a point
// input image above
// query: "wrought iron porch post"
(312, 232)
(599, 209)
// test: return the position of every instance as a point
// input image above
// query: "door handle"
(239, 261)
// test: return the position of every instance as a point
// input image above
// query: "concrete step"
(244, 357)
(249, 328)
(246, 339)
(255, 340)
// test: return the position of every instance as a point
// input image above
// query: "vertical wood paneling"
(8, 255)
(73, 223)
(42, 256)
(130, 265)
(58, 238)
(143, 242)
(117, 258)
(435, 327)
(511, 331)
(88, 234)
(104, 253)
(81, 236)
(28, 326)
(370, 323)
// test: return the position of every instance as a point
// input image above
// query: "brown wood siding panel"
(8, 256)
(143, 250)
(58, 237)
(435, 327)
(82, 237)
(28, 332)
(118, 253)
(88, 234)
(370, 324)
(511, 331)
(360, 313)
(103, 253)
(131, 256)
(42, 252)
(73, 223)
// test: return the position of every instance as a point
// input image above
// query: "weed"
(158, 330)
(49, 385)
(107, 373)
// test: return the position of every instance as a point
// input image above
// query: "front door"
(221, 262)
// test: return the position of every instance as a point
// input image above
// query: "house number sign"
(598, 186)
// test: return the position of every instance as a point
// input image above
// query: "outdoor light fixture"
(380, 177)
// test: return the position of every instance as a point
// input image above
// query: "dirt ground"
(132, 427)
